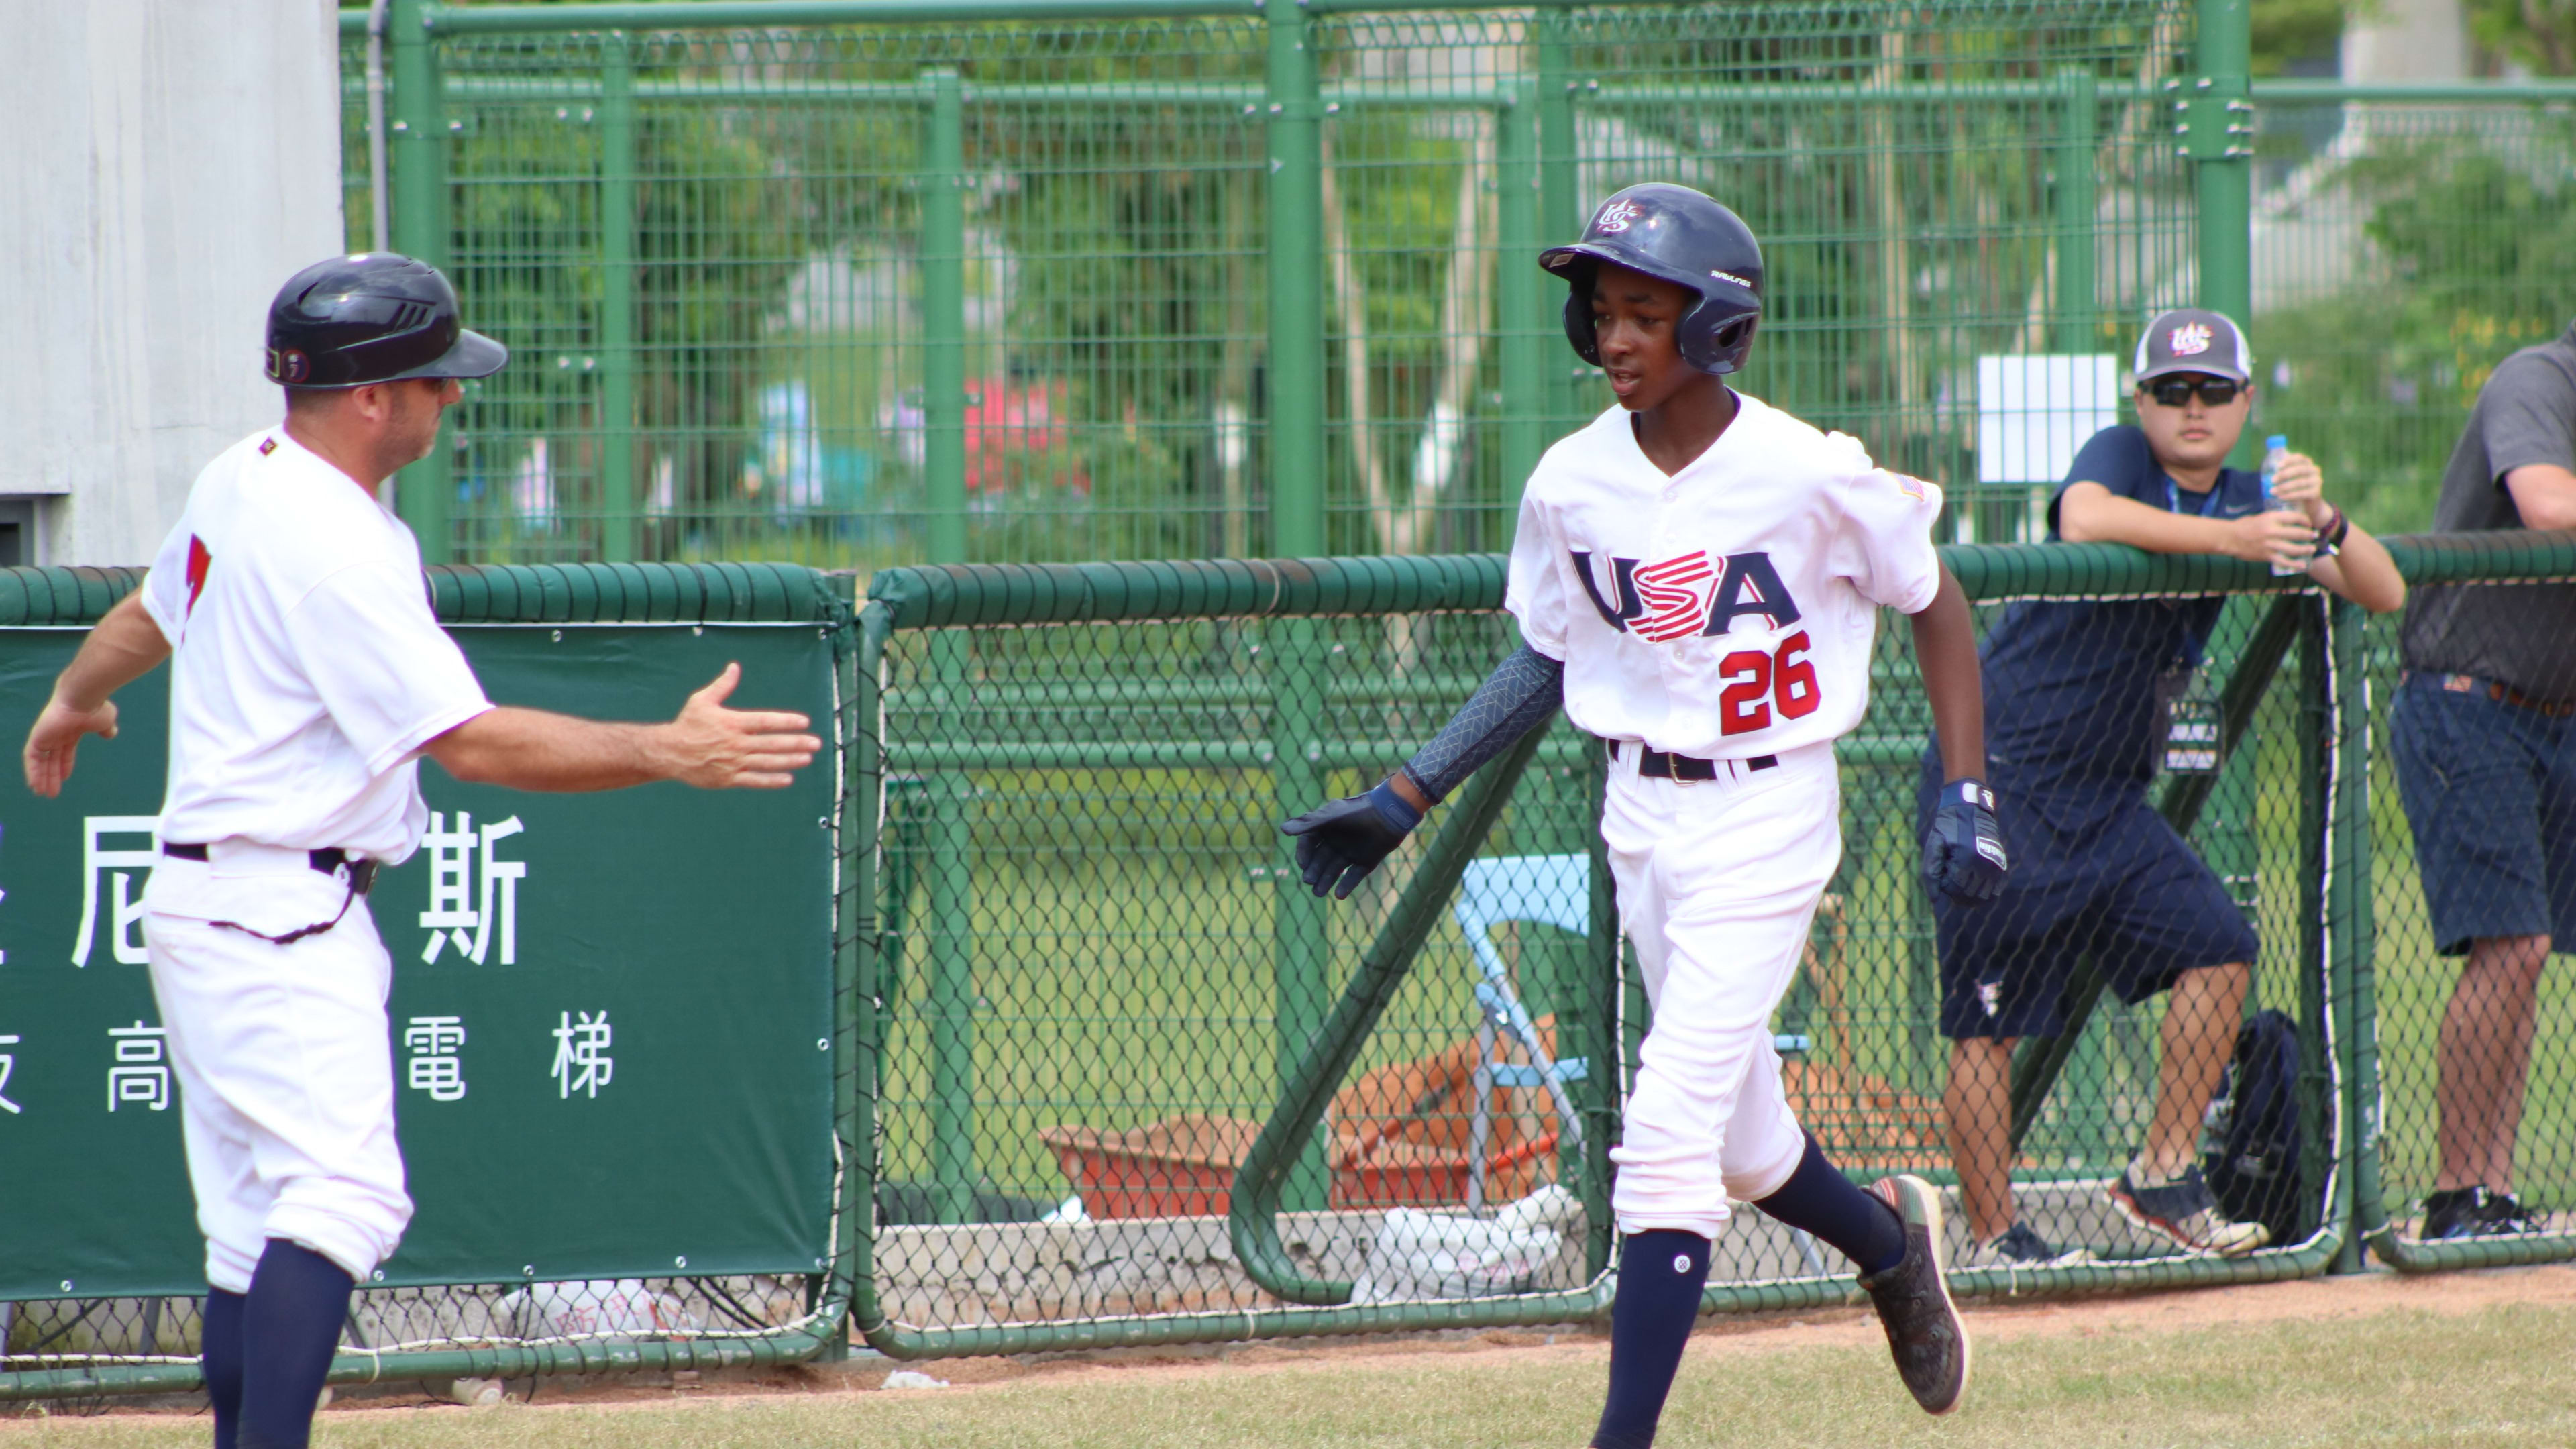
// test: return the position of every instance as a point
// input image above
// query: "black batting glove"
(1339, 843)
(1963, 854)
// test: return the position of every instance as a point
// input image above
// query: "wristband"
(2331, 537)
(1971, 790)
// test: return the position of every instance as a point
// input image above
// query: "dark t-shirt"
(2521, 634)
(2070, 687)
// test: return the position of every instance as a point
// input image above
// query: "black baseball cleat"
(1913, 1300)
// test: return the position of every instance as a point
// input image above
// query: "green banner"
(611, 1014)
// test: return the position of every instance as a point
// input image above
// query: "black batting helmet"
(1684, 237)
(372, 317)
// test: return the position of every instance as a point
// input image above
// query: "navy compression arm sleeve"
(1516, 698)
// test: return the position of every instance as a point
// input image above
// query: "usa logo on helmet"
(1618, 216)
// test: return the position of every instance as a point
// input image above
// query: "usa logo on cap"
(2190, 339)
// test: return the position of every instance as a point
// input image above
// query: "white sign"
(125, 902)
(582, 1063)
(2034, 411)
(435, 1067)
(454, 906)
(141, 1073)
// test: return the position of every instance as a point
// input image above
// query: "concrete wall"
(169, 163)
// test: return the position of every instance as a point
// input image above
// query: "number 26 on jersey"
(1758, 683)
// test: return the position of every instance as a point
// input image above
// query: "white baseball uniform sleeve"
(1726, 611)
(308, 668)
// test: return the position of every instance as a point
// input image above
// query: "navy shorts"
(2490, 790)
(2095, 870)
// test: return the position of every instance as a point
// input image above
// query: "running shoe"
(1913, 1300)
(2184, 1211)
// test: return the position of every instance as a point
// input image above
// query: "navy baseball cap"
(2193, 339)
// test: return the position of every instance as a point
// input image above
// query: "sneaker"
(2458, 1213)
(1913, 1300)
(2018, 1247)
(2504, 1215)
(2184, 1211)
(2475, 1212)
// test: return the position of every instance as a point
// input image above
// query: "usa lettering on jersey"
(1662, 601)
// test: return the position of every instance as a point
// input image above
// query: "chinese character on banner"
(454, 907)
(142, 1072)
(125, 902)
(435, 1068)
(8, 1064)
(582, 1063)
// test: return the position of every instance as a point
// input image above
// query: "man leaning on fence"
(2484, 728)
(2079, 702)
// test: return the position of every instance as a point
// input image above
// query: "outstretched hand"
(55, 739)
(1341, 841)
(716, 748)
(1963, 853)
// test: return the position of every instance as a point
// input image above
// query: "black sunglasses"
(2176, 392)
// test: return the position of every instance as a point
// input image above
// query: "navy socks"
(1661, 1273)
(289, 1324)
(1821, 1200)
(222, 1340)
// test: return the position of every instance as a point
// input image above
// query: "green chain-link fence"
(1226, 281)
(1106, 1074)
(1139, 1085)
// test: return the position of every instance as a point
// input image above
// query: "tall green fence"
(1100, 1071)
(878, 282)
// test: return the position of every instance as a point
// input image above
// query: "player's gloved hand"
(1963, 854)
(1340, 842)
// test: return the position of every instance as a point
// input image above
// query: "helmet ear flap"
(1578, 321)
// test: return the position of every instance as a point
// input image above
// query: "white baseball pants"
(1718, 882)
(285, 1067)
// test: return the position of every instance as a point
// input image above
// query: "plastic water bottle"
(2276, 451)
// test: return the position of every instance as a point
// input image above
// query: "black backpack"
(2253, 1162)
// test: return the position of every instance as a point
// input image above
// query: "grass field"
(2479, 1360)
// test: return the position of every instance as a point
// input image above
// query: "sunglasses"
(2176, 392)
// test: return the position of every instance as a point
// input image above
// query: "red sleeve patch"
(198, 562)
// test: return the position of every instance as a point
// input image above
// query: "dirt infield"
(2455, 1359)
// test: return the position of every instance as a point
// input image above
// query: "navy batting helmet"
(1684, 237)
(373, 317)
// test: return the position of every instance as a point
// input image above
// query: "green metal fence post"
(2217, 119)
(1559, 208)
(1300, 933)
(2351, 917)
(418, 148)
(1523, 323)
(617, 299)
(2078, 114)
(951, 1007)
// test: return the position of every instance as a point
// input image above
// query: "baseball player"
(1697, 578)
(2078, 694)
(308, 678)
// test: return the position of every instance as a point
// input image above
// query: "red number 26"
(1756, 682)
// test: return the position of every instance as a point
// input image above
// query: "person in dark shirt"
(2484, 730)
(2077, 700)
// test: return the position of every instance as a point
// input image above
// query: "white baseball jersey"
(1726, 611)
(308, 668)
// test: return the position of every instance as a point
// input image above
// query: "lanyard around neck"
(2208, 501)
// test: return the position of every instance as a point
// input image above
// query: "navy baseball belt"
(1656, 765)
(328, 860)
